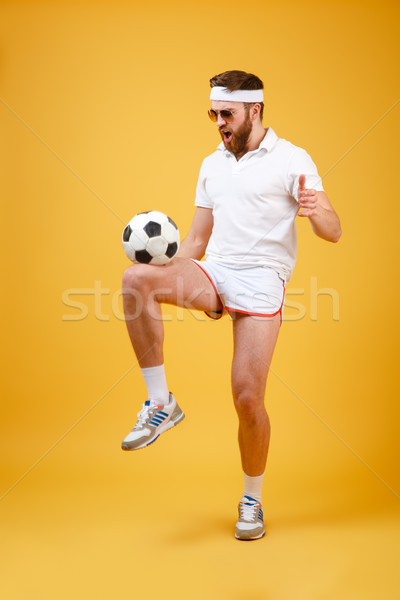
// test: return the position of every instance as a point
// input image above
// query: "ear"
(255, 111)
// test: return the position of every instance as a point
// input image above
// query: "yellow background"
(102, 115)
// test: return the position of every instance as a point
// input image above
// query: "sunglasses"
(226, 115)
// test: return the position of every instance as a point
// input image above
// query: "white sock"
(252, 486)
(156, 383)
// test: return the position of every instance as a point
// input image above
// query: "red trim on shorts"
(283, 299)
(215, 289)
(245, 312)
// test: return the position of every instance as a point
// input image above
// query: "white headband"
(222, 93)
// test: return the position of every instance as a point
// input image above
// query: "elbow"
(192, 247)
(337, 236)
(199, 246)
(337, 232)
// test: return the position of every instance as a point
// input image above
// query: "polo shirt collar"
(268, 141)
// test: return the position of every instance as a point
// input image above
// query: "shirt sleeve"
(301, 163)
(202, 199)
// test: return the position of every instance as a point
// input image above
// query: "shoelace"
(143, 415)
(247, 512)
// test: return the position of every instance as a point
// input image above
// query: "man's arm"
(316, 206)
(195, 243)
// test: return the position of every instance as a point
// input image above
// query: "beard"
(238, 142)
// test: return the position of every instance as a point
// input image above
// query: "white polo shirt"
(254, 203)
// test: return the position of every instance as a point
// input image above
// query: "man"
(249, 193)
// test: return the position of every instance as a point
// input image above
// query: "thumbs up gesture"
(308, 199)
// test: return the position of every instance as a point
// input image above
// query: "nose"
(220, 120)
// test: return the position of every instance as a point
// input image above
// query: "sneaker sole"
(162, 430)
(248, 539)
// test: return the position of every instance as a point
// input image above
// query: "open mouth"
(227, 135)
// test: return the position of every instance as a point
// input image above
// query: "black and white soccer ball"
(151, 237)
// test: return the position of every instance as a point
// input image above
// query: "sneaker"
(153, 419)
(251, 523)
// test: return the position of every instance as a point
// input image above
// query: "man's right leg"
(145, 287)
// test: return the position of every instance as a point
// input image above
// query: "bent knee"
(136, 277)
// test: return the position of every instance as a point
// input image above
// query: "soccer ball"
(151, 237)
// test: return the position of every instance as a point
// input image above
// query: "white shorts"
(257, 291)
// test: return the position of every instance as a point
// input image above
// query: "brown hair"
(239, 80)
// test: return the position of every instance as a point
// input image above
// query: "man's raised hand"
(308, 199)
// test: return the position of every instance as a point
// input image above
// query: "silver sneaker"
(251, 522)
(153, 420)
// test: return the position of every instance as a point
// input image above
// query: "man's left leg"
(254, 342)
